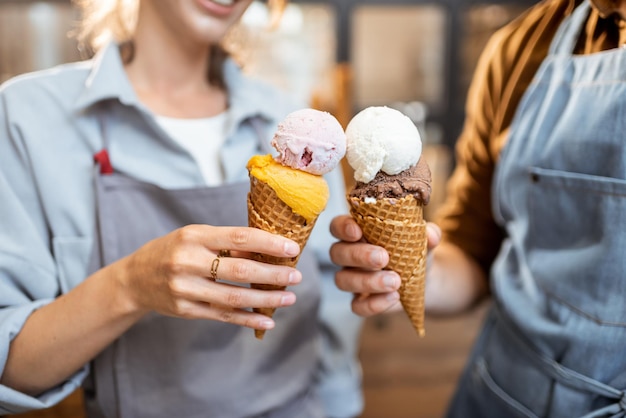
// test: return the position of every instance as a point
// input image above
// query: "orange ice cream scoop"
(306, 194)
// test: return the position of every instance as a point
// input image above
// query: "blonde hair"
(106, 20)
(115, 20)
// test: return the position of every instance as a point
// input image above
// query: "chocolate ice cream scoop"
(414, 181)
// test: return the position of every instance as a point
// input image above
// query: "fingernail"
(266, 324)
(288, 300)
(295, 277)
(291, 248)
(393, 296)
(352, 231)
(391, 281)
(435, 230)
(376, 257)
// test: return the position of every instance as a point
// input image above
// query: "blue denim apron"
(554, 343)
(171, 367)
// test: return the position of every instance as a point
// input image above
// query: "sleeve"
(466, 218)
(339, 374)
(28, 278)
(504, 71)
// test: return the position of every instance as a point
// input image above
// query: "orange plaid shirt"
(505, 69)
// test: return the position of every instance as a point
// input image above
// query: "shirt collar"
(108, 80)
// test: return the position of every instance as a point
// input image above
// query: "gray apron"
(170, 367)
(554, 344)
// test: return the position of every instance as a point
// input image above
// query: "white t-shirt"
(202, 138)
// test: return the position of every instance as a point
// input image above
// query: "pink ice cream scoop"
(310, 140)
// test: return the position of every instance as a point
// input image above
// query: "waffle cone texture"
(398, 226)
(267, 212)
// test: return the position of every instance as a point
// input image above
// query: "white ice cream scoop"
(381, 139)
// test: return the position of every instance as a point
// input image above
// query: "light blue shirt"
(49, 132)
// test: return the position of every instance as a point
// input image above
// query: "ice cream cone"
(398, 226)
(267, 212)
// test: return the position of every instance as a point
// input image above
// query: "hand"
(172, 274)
(375, 290)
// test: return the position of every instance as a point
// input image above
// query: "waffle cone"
(398, 226)
(267, 212)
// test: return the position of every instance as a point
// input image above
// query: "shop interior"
(341, 56)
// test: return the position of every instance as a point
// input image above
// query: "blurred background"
(340, 56)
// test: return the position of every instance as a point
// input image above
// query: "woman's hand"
(375, 289)
(175, 274)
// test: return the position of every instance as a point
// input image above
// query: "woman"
(120, 179)
(543, 144)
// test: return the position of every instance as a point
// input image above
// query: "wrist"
(124, 301)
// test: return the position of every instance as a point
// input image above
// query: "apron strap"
(617, 410)
(564, 375)
(101, 157)
(569, 31)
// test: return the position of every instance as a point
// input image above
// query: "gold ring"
(216, 262)
(214, 265)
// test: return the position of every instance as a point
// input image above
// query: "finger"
(241, 239)
(433, 233)
(359, 281)
(233, 296)
(374, 304)
(343, 227)
(361, 255)
(242, 270)
(201, 310)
